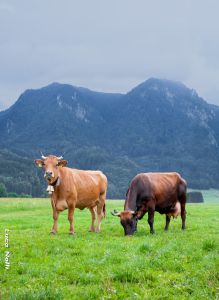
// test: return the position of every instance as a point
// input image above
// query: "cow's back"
(164, 185)
(161, 187)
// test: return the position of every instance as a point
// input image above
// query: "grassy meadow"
(167, 265)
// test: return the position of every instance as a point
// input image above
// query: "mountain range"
(160, 125)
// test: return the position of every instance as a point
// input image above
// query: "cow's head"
(128, 220)
(51, 166)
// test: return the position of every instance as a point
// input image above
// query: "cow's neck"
(130, 202)
(56, 182)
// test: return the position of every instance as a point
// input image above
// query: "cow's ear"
(134, 213)
(62, 163)
(39, 162)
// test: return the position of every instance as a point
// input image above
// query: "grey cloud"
(108, 45)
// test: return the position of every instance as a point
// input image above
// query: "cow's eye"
(130, 222)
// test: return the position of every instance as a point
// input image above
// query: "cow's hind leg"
(182, 200)
(151, 218)
(55, 221)
(183, 215)
(93, 218)
(100, 211)
(71, 219)
(167, 222)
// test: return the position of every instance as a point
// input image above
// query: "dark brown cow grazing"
(72, 188)
(150, 192)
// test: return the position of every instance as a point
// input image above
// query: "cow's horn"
(60, 157)
(43, 157)
(115, 213)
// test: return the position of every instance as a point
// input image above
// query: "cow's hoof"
(53, 233)
(71, 233)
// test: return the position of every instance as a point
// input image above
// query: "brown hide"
(72, 188)
(159, 190)
(150, 192)
(80, 189)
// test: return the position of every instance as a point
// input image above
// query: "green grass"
(167, 265)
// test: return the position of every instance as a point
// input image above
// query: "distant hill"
(160, 125)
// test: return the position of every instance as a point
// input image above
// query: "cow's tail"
(104, 210)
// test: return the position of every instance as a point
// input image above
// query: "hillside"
(159, 125)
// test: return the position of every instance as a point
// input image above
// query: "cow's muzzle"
(48, 175)
(129, 234)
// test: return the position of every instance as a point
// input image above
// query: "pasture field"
(167, 265)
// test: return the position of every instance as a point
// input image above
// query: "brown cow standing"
(150, 192)
(72, 188)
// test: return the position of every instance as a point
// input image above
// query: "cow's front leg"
(71, 219)
(55, 221)
(55, 215)
(167, 222)
(151, 219)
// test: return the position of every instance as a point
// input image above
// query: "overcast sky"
(108, 45)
